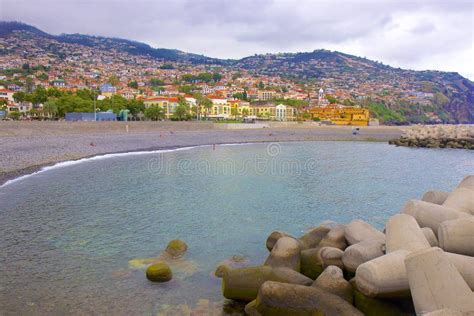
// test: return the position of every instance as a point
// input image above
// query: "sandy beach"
(27, 146)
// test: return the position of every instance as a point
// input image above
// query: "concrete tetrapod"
(457, 236)
(275, 298)
(243, 284)
(313, 237)
(386, 276)
(335, 238)
(435, 283)
(430, 236)
(332, 280)
(462, 200)
(358, 230)
(331, 256)
(467, 182)
(285, 253)
(361, 252)
(273, 238)
(436, 197)
(404, 233)
(431, 215)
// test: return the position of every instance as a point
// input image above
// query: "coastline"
(27, 147)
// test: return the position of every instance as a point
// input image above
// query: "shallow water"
(68, 234)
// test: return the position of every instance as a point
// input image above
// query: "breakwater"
(422, 263)
(438, 136)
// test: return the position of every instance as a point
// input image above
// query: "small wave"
(98, 157)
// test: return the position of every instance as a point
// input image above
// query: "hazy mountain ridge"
(347, 72)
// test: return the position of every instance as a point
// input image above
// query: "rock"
(384, 276)
(331, 256)
(332, 280)
(251, 309)
(462, 200)
(430, 236)
(176, 248)
(335, 238)
(436, 197)
(159, 272)
(273, 238)
(275, 298)
(404, 233)
(313, 237)
(243, 284)
(429, 214)
(457, 236)
(285, 253)
(467, 182)
(311, 263)
(358, 230)
(361, 252)
(435, 283)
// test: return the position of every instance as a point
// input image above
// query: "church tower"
(321, 96)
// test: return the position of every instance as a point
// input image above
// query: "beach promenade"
(27, 146)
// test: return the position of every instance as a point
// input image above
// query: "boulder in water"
(176, 248)
(159, 272)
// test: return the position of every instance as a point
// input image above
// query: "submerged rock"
(159, 272)
(176, 248)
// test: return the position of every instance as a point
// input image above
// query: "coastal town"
(44, 78)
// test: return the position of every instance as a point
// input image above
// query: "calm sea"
(69, 235)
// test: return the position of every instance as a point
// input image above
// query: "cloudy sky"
(416, 34)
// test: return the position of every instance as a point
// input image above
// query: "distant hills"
(453, 95)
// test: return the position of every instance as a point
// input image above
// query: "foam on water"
(69, 163)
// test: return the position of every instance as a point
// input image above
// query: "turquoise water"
(68, 234)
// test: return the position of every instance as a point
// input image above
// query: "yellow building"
(168, 104)
(341, 115)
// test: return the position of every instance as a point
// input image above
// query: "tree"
(29, 86)
(261, 86)
(133, 84)
(216, 77)
(205, 77)
(20, 96)
(40, 95)
(331, 99)
(50, 108)
(15, 115)
(181, 112)
(155, 82)
(155, 113)
(114, 80)
(204, 102)
(135, 107)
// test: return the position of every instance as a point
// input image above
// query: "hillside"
(392, 94)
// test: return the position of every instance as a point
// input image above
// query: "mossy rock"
(176, 248)
(159, 272)
(375, 307)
